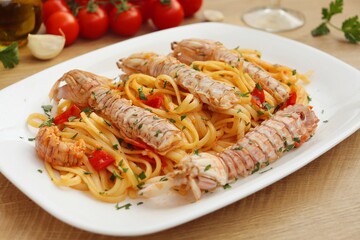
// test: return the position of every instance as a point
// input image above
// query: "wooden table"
(320, 201)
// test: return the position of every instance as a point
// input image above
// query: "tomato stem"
(165, 2)
(91, 6)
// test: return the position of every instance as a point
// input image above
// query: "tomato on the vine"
(145, 7)
(190, 6)
(93, 21)
(106, 5)
(167, 14)
(51, 6)
(125, 19)
(60, 23)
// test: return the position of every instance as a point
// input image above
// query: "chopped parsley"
(141, 94)
(157, 133)
(47, 109)
(163, 179)
(257, 167)
(31, 139)
(70, 119)
(207, 167)
(242, 94)
(126, 206)
(142, 175)
(107, 122)
(114, 175)
(258, 86)
(227, 186)
(183, 117)
(40, 171)
(74, 136)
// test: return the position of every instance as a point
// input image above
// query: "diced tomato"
(100, 160)
(73, 111)
(258, 95)
(291, 100)
(155, 100)
(137, 143)
(300, 142)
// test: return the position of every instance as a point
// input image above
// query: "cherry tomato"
(125, 19)
(167, 14)
(52, 6)
(190, 6)
(63, 22)
(81, 2)
(145, 7)
(106, 5)
(100, 159)
(93, 21)
(291, 100)
(258, 95)
(155, 100)
(73, 111)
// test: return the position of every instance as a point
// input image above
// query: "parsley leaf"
(350, 27)
(334, 8)
(9, 56)
(322, 29)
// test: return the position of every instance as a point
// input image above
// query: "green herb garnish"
(350, 27)
(9, 55)
(141, 93)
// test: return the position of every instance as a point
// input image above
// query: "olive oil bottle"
(18, 18)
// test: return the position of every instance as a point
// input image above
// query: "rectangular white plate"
(334, 89)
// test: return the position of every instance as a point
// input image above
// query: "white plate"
(334, 89)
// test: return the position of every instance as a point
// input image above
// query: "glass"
(274, 18)
(18, 18)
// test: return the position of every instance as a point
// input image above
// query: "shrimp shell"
(52, 149)
(214, 93)
(88, 89)
(270, 140)
(136, 122)
(189, 50)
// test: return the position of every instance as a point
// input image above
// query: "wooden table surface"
(319, 201)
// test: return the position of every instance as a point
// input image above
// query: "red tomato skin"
(167, 15)
(100, 160)
(67, 23)
(155, 101)
(106, 5)
(145, 7)
(291, 100)
(93, 25)
(73, 111)
(51, 6)
(125, 23)
(258, 96)
(190, 6)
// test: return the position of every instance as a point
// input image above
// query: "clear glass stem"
(273, 18)
(275, 4)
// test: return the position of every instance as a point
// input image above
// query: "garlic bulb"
(45, 46)
(213, 15)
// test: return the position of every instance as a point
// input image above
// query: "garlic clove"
(45, 46)
(213, 15)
